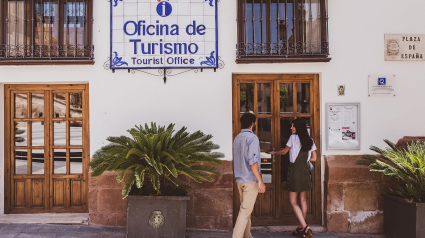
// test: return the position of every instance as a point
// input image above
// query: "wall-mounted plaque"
(341, 90)
(404, 47)
(163, 34)
(381, 85)
(342, 126)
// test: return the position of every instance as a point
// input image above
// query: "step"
(47, 218)
(314, 228)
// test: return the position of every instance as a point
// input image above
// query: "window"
(282, 31)
(46, 30)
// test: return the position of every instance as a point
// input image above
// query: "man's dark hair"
(247, 119)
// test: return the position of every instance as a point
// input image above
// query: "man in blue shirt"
(247, 165)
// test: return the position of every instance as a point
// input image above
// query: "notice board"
(343, 126)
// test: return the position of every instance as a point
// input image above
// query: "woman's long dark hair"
(301, 131)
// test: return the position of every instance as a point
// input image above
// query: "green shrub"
(406, 164)
(154, 159)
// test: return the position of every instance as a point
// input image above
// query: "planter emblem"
(156, 220)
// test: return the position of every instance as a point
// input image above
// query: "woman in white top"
(301, 150)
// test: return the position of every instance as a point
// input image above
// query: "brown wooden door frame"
(315, 208)
(48, 176)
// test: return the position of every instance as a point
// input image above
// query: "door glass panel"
(285, 130)
(265, 137)
(21, 165)
(247, 97)
(75, 105)
(307, 123)
(37, 105)
(59, 161)
(59, 133)
(37, 159)
(37, 133)
(76, 161)
(285, 133)
(21, 137)
(59, 105)
(76, 130)
(286, 98)
(303, 97)
(21, 105)
(263, 98)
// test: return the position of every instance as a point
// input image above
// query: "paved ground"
(220, 234)
(8, 230)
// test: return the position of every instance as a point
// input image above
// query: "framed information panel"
(343, 126)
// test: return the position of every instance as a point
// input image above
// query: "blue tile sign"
(382, 81)
(163, 34)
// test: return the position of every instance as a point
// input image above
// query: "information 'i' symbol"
(164, 9)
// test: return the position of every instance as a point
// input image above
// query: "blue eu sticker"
(164, 9)
(382, 81)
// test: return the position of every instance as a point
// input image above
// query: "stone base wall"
(210, 205)
(106, 206)
(353, 203)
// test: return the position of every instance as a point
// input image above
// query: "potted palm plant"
(404, 210)
(153, 162)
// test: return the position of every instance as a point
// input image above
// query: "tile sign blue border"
(139, 28)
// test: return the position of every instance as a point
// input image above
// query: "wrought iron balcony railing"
(287, 49)
(58, 51)
(46, 30)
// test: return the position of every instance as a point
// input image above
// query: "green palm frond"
(153, 158)
(129, 182)
(406, 164)
(190, 173)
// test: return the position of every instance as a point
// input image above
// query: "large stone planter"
(403, 219)
(156, 216)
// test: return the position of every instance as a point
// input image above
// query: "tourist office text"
(132, 28)
(160, 61)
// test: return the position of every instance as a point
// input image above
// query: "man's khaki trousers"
(248, 194)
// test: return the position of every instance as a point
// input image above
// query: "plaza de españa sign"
(163, 34)
(404, 47)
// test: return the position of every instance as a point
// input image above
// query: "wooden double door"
(277, 100)
(46, 148)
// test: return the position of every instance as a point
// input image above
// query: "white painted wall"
(203, 101)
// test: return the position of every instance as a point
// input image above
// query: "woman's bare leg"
(297, 210)
(303, 201)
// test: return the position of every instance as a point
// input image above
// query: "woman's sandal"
(297, 232)
(307, 233)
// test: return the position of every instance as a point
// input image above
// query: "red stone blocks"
(367, 222)
(361, 197)
(106, 206)
(335, 196)
(338, 222)
(353, 200)
(210, 205)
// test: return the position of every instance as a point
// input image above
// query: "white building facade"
(347, 49)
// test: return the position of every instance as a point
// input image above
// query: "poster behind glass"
(342, 126)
